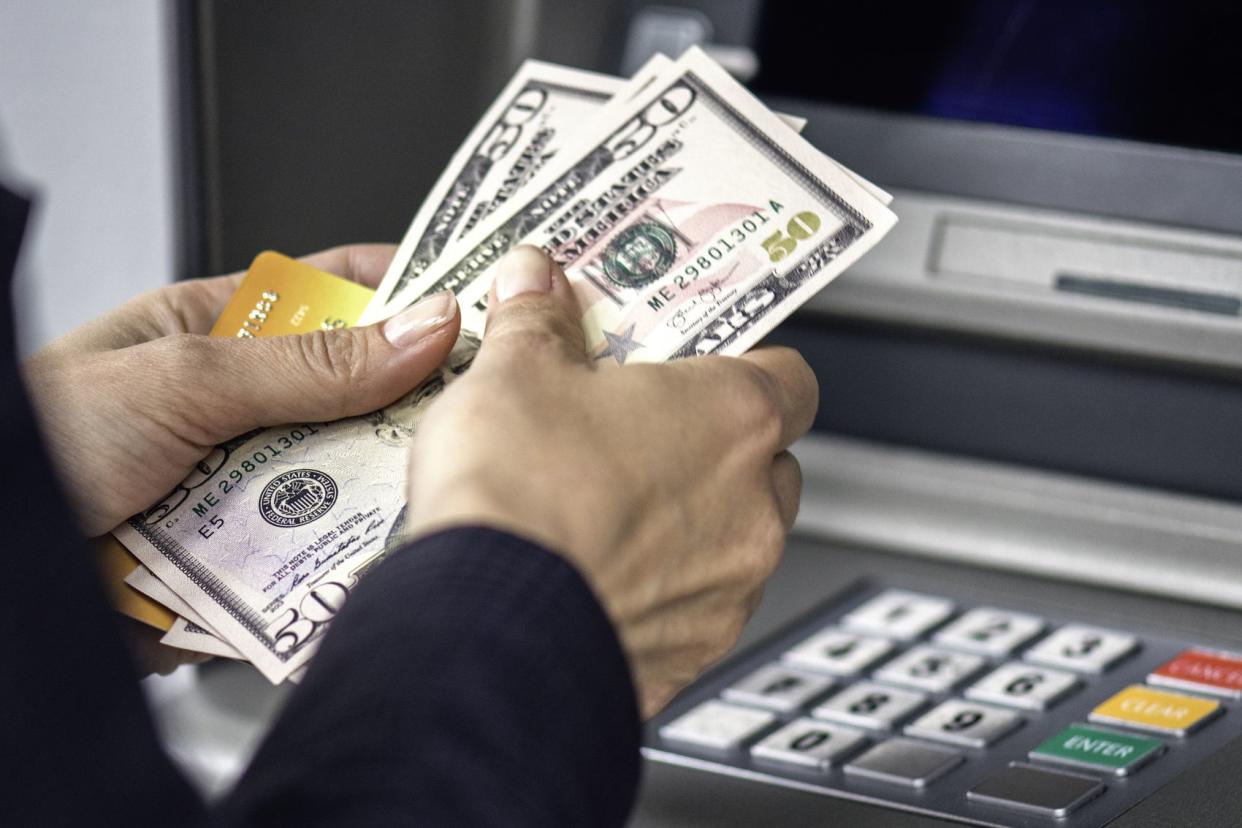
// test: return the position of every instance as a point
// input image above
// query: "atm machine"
(1014, 593)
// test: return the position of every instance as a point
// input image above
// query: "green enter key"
(1101, 750)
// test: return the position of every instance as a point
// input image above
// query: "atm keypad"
(983, 713)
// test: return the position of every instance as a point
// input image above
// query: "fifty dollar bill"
(532, 118)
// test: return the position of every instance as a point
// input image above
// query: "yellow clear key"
(1156, 710)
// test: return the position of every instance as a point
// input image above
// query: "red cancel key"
(1219, 674)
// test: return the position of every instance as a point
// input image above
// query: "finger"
(193, 306)
(787, 483)
(241, 384)
(793, 389)
(531, 306)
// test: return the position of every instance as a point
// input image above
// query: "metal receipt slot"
(1124, 267)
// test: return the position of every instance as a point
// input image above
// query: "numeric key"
(1081, 648)
(931, 669)
(717, 725)
(778, 688)
(991, 632)
(839, 652)
(871, 705)
(897, 613)
(964, 723)
(808, 743)
(1027, 686)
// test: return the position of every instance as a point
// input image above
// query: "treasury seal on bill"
(297, 497)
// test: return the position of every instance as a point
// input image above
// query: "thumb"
(318, 376)
(531, 307)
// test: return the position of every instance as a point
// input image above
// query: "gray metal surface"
(1021, 273)
(1014, 518)
(1167, 185)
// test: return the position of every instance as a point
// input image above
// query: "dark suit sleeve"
(77, 745)
(473, 679)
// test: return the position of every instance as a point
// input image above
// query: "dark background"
(1161, 71)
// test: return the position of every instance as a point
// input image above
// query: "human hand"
(669, 486)
(130, 402)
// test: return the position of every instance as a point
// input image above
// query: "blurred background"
(175, 138)
(87, 110)
(171, 139)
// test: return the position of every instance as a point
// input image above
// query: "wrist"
(486, 505)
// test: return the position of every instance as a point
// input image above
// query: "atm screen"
(1161, 71)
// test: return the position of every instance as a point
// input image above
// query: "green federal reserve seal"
(639, 255)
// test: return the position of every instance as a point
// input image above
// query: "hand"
(130, 402)
(667, 485)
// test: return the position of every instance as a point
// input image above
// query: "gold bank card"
(280, 295)
(115, 563)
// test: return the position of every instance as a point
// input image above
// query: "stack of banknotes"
(690, 219)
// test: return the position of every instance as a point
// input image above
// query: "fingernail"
(522, 270)
(421, 318)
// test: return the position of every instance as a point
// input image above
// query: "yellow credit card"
(280, 295)
(115, 563)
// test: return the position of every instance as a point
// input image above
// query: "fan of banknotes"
(690, 219)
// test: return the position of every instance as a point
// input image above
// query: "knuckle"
(734, 623)
(758, 561)
(772, 536)
(765, 548)
(728, 630)
(801, 373)
(807, 378)
(805, 384)
(789, 476)
(185, 354)
(529, 332)
(336, 356)
(528, 341)
(794, 471)
(757, 403)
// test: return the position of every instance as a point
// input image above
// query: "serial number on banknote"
(219, 475)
